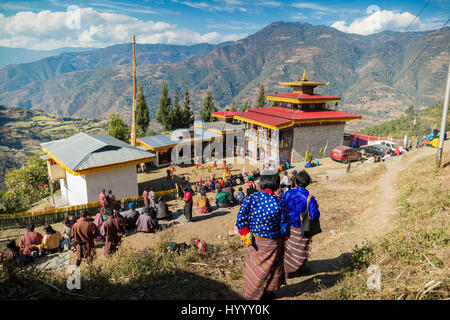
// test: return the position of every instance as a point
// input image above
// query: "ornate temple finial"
(304, 75)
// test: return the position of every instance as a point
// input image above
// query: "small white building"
(85, 164)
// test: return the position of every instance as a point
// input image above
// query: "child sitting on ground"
(239, 197)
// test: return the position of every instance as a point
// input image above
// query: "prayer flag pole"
(443, 121)
(133, 120)
(306, 154)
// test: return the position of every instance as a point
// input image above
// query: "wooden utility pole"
(133, 120)
(443, 121)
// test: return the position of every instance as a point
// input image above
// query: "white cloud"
(49, 30)
(312, 6)
(299, 17)
(382, 20)
(270, 3)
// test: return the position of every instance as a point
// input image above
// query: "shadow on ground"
(323, 273)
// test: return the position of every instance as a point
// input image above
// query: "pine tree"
(233, 105)
(246, 106)
(175, 119)
(117, 128)
(208, 108)
(261, 101)
(188, 114)
(163, 113)
(142, 114)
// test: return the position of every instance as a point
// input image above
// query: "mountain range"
(373, 74)
(20, 55)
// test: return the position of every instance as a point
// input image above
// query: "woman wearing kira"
(263, 222)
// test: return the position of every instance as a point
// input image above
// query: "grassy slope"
(413, 257)
(427, 120)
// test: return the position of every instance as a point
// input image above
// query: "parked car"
(373, 150)
(389, 144)
(345, 154)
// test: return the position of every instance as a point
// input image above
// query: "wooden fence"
(39, 218)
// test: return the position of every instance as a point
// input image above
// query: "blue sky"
(49, 24)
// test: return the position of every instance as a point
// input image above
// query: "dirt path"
(333, 248)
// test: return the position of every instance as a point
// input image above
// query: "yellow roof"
(304, 83)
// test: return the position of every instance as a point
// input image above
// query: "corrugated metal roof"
(160, 140)
(179, 136)
(83, 151)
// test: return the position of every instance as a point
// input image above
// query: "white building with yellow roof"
(85, 164)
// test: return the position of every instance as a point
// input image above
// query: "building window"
(285, 138)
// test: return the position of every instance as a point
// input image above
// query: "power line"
(387, 50)
(428, 44)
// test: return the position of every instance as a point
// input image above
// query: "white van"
(391, 145)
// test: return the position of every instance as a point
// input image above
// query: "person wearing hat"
(131, 216)
(111, 230)
(263, 222)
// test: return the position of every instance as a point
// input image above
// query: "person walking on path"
(84, 232)
(297, 247)
(263, 222)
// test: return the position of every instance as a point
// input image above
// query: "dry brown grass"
(365, 175)
(157, 273)
(414, 256)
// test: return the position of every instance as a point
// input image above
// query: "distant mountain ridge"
(10, 56)
(278, 52)
(16, 76)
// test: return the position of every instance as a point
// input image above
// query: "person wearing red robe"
(145, 196)
(84, 232)
(111, 199)
(30, 240)
(102, 199)
(112, 229)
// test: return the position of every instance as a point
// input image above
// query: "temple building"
(298, 122)
(85, 164)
